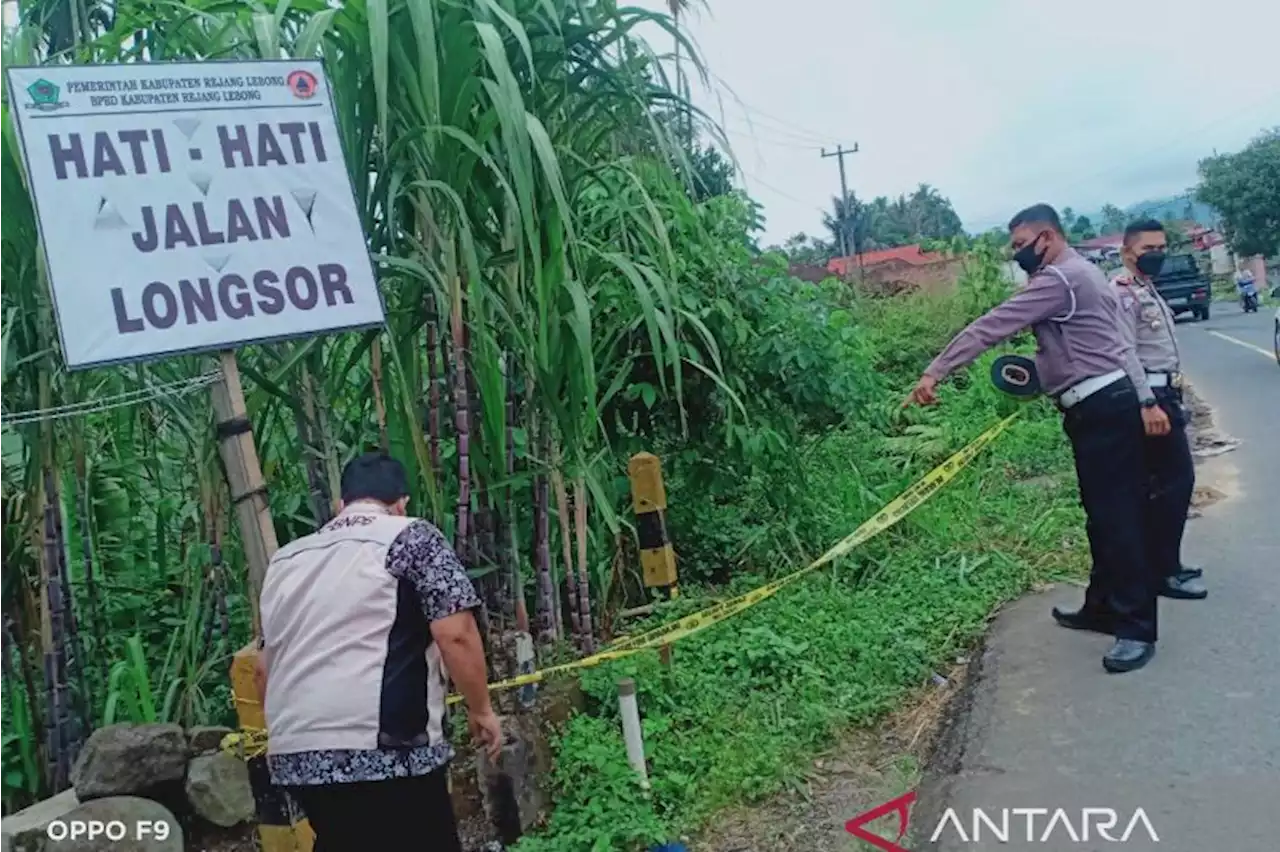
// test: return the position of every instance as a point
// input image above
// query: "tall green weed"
(746, 704)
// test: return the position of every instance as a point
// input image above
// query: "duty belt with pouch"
(1172, 379)
(1081, 391)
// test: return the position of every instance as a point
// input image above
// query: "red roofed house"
(898, 268)
(1102, 244)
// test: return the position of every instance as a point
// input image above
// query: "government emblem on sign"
(44, 96)
(302, 84)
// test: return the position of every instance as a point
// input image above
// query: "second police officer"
(1147, 323)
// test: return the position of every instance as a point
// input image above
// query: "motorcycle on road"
(1248, 295)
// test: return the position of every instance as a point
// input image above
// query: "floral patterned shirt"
(421, 555)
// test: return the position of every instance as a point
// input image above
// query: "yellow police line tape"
(252, 742)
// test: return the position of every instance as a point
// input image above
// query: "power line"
(751, 136)
(177, 388)
(783, 193)
(786, 125)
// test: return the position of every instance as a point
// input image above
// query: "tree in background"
(1083, 229)
(803, 249)
(884, 223)
(710, 173)
(1245, 188)
(1113, 219)
(1078, 227)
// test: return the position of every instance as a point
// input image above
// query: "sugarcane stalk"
(55, 663)
(584, 581)
(566, 545)
(328, 444)
(462, 424)
(380, 406)
(433, 383)
(84, 520)
(73, 649)
(308, 428)
(511, 552)
(546, 608)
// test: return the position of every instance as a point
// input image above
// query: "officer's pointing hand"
(1155, 421)
(923, 393)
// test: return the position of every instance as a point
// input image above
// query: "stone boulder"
(218, 789)
(117, 823)
(512, 788)
(121, 760)
(206, 738)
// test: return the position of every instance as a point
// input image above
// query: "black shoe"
(1183, 588)
(1190, 573)
(1083, 619)
(1128, 655)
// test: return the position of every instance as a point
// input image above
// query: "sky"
(997, 103)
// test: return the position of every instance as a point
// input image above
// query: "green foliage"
(1113, 219)
(885, 223)
(746, 704)
(804, 249)
(1245, 188)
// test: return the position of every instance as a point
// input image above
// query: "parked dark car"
(1184, 286)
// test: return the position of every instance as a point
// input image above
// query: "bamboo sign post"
(244, 478)
(657, 558)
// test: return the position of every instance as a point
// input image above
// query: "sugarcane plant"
(503, 157)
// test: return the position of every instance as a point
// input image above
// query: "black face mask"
(1149, 264)
(1028, 258)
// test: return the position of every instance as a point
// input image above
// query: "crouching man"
(360, 622)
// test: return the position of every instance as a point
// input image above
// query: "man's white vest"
(344, 671)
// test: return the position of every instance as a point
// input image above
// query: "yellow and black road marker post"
(657, 558)
(278, 830)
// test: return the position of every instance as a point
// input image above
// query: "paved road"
(1194, 739)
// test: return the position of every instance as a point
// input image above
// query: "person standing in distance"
(360, 622)
(1084, 364)
(1148, 324)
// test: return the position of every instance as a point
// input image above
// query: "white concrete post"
(631, 733)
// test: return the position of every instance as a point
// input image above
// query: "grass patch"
(746, 705)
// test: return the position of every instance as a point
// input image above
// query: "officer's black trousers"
(1172, 476)
(1107, 439)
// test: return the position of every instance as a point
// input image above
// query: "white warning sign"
(189, 207)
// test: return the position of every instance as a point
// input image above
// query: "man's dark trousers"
(398, 815)
(1107, 439)
(1172, 477)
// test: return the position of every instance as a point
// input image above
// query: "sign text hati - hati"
(205, 299)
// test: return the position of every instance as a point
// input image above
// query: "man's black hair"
(1037, 214)
(1142, 226)
(374, 476)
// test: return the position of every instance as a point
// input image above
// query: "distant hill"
(1179, 207)
(1171, 207)
(1175, 207)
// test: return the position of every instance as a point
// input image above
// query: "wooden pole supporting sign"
(277, 832)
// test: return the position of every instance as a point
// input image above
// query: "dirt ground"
(1215, 479)
(864, 769)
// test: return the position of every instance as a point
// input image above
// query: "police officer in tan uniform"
(1147, 323)
(1091, 372)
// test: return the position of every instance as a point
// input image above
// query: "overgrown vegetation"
(567, 283)
(744, 706)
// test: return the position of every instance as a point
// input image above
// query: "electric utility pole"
(839, 152)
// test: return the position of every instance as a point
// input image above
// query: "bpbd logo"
(44, 96)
